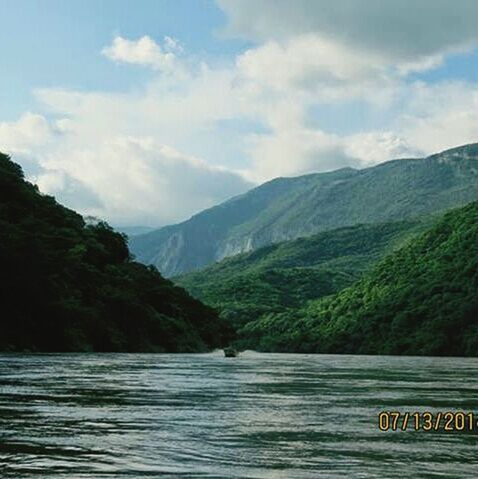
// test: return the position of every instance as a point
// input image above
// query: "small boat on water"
(230, 352)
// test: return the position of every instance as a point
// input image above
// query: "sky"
(147, 112)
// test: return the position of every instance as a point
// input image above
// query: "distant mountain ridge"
(288, 208)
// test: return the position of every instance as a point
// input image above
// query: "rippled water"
(256, 416)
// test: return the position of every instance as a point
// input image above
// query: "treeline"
(69, 286)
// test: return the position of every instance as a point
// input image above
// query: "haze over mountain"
(131, 231)
(288, 208)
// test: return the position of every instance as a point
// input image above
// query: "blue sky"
(147, 112)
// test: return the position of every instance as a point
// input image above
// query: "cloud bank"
(408, 30)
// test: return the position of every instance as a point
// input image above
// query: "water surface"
(257, 416)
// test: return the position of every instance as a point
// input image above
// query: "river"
(256, 416)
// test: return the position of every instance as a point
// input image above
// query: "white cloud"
(420, 64)
(295, 151)
(52, 181)
(66, 189)
(440, 116)
(146, 52)
(137, 179)
(173, 111)
(22, 136)
(375, 147)
(301, 150)
(310, 65)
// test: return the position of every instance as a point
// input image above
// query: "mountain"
(66, 285)
(288, 208)
(420, 300)
(286, 275)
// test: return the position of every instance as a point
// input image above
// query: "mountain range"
(289, 208)
(377, 261)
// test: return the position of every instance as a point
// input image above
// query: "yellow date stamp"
(446, 421)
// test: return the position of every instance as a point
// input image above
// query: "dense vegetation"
(421, 300)
(403, 287)
(69, 286)
(287, 275)
(288, 208)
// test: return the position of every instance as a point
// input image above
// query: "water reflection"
(256, 416)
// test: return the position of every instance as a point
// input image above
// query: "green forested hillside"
(287, 275)
(289, 208)
(68, 286)
(420, 300)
